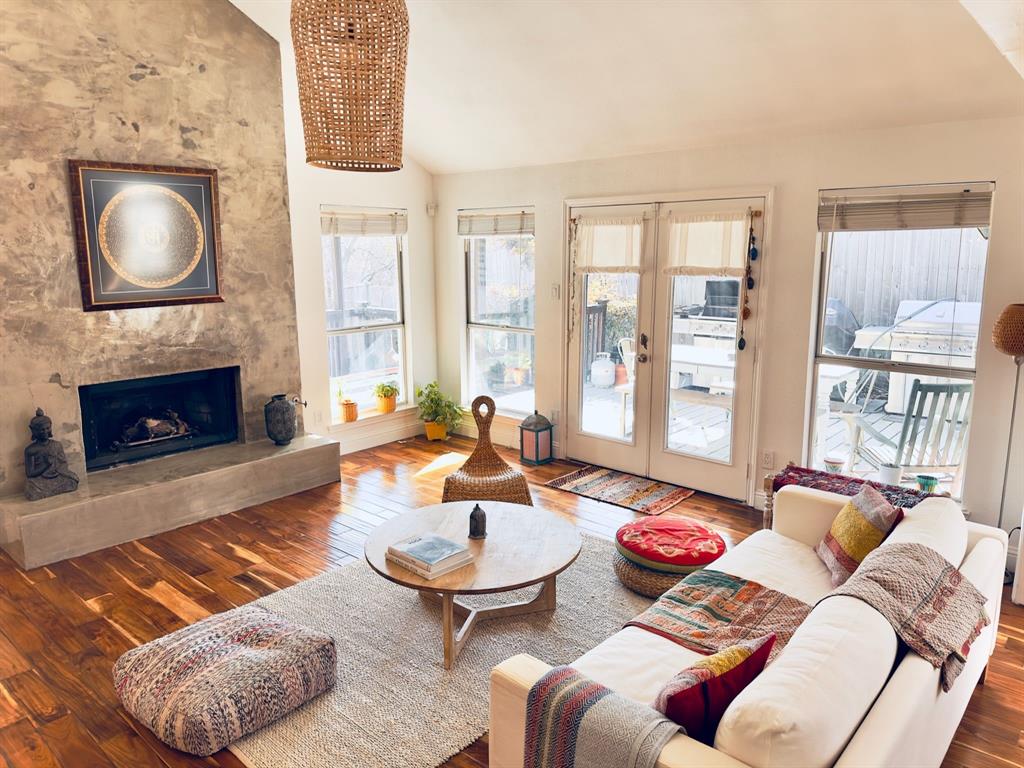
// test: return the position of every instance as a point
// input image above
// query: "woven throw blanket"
(845, 485)
(710, 610)
(931, 606)
(573, 722)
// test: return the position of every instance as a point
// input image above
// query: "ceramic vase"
(280, 417)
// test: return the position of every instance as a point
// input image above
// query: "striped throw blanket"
(711, 610)
(931, 606)
(573, 722)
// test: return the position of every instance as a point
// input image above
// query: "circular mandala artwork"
(150, 236)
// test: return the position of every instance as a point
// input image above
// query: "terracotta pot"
(387, 404)
(349, 410)
(621, 374)
(436, 431)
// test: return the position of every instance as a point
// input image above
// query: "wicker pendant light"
(350, 60)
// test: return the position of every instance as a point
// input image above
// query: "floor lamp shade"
(1008, 332)
(350, 58)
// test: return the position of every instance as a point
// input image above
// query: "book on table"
(428, 555)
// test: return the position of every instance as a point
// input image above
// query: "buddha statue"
(46, 467)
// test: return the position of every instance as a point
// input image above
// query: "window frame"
(399, 325)
(471, 324)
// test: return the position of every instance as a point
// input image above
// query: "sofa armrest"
(511, 682)
(805, 514)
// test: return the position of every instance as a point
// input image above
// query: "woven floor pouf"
(209, 684)
(657, 552)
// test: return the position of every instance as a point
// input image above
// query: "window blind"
(607, 244)
(367, 223)
(708, 244)
(482, 223)
(904, 208)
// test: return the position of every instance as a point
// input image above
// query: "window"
(900, 304)
(362, 256)
(501, 286)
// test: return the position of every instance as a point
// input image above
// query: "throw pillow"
(859, 527)
(697, 697)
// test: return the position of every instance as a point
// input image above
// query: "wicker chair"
(485, 476)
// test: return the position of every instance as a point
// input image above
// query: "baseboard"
(377, 430)
(760, 499)
(504, 430)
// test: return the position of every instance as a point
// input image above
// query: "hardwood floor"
(62, 626)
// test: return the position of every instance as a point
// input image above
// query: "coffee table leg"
(448, 629)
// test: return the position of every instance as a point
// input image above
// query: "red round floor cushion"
(669, 544)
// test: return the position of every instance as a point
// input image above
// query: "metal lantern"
(536, 438)
(350, 58)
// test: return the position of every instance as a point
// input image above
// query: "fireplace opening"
(135, 419)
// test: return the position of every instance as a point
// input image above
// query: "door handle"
(642, 357)
(643, 342)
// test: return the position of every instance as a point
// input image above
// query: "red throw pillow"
(697, 697)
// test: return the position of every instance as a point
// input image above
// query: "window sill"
(372, 416)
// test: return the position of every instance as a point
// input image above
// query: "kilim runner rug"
(641, 494)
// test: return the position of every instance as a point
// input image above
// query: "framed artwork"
(147, 235)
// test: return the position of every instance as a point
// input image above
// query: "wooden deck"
(62, 626)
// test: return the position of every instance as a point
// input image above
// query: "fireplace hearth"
(136, 419)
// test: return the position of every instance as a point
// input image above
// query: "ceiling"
(505, 83)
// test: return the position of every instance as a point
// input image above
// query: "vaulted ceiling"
(494, 84)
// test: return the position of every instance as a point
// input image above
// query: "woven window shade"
(904, 208)
(365, 223)
(481, 224)
(350, 58)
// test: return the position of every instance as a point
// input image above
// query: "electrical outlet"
(556, 291)
(318, 417)
(767, 459)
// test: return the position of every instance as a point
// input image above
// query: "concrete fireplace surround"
(192, 83)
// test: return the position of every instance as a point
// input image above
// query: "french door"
(658, 383)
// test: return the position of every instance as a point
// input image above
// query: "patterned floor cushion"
(204, 686)
(669, 544)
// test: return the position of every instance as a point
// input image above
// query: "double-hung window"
(899, 309)
(362, 257)
(501, 287)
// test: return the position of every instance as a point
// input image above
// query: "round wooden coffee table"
(524, 546)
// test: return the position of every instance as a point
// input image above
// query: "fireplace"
(135, 419)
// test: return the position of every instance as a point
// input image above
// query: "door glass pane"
(701, 382)
(361, 281)
(910, 296)
(501, 365)
(608, 356)
(865, 419)
(359, 361)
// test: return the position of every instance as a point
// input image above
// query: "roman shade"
(483, 223)
(365, 223)
(712, 244)
(607, 243)
(935, 207)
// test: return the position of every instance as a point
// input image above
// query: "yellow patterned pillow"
(859, 527)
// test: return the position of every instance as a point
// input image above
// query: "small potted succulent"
(387, 396)
(440, 413)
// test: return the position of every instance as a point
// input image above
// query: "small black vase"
(280, 417)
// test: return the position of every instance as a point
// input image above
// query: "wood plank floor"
(62, 626)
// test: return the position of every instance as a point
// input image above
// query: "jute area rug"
(641, 494)
(394, 705)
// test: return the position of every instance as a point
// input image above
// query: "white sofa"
(841, 692)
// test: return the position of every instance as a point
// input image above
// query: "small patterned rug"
(641, 494)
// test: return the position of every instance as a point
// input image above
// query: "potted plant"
(496, 374)
(440, 413)
(387, 396)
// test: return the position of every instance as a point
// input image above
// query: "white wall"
(308, 188)
(796, 169)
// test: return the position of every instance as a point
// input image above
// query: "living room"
(707, 313)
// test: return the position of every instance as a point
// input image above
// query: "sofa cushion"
(671, 544)
(937, 523)
(779, 563)
(697, 697)
(859, 527)
(204, 686)
(805, 706)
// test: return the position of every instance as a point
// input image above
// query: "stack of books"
(429, 556)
